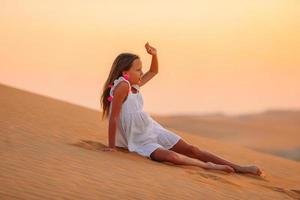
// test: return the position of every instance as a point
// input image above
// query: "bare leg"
(179, 159)
(192, 151)
(209, 157)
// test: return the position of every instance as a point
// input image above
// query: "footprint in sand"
(90, 145)
(297, 191)
(211, 177)
(96, 146)
(295, 194)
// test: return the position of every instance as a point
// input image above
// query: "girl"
(134, 129)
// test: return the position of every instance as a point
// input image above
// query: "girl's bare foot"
(224, 168)
(251, 169)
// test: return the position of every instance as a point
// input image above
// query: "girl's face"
(135, 72)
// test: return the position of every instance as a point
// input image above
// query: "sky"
(230, 57)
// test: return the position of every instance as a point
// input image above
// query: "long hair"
(122, 62)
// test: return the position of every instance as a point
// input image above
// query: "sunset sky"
(214, 56)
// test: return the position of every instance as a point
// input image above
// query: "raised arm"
(154, 65)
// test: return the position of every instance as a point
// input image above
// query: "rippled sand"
(52, 150)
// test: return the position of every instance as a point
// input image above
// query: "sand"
(51, 149)
(274, 132)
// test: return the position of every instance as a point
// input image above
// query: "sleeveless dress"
(136, 130)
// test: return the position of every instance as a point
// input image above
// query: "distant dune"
(51, 149)
(273, 131)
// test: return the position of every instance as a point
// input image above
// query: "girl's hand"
(109, 149)
(151, 50)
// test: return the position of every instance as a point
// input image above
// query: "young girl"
(134, 129)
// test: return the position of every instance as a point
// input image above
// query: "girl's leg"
(194, 152)
(209, 157)
(162, 155)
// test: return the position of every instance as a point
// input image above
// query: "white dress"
(136, 130)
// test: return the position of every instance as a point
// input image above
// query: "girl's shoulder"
(122, 87)
(121, 83)
(120, 93)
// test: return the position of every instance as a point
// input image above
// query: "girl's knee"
(194, 150)
(173, 157)
(164, 155)
(157, 155)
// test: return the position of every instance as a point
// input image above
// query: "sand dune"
(52, 150)
(275, 132)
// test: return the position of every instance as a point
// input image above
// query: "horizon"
(189, 114)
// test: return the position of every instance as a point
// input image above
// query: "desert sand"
(51, 149)
(274, 131)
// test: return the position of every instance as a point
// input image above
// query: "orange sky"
(218, 56)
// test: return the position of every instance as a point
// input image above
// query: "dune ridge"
(51, 149)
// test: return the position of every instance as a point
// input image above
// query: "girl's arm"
(120, 93)
(154, 65)
(152, 71)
